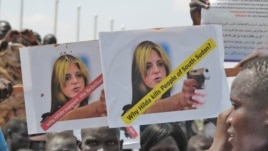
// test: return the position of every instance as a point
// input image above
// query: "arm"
(95, 109)
(88, 111)
(220, 142)
(171, 103)
(195, 10)
(231, 72)
(179, 101)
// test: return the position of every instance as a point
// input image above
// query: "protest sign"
(146, 87)
(62, 86)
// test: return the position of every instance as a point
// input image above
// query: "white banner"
(244, 24)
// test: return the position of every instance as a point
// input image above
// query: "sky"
(39, 16)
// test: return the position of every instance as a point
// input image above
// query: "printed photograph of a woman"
(70, 76)
(150, 65)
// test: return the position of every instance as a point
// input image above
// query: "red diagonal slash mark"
(72, 103)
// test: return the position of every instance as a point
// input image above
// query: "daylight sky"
(39, 16)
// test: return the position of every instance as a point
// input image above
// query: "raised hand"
(192, 97)
(220, 142)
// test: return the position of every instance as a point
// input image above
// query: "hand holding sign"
(153, 65)
(190, 97)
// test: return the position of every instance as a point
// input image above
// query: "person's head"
(62, 141)
(38, 141)
(167, 136)
(199, 143)
(69, 76)
(102, 138)
(16, 134)
(248, 121)
(25, 37)
(49, 39)
(38, 37)
(150, 65)
(4, 28)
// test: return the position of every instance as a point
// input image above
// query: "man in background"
(4, 28)
(102, 138)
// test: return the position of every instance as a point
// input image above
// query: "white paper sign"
(187, 48)
(37, 65)
(244, 24)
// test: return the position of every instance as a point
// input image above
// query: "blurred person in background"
(166, 136)
(199, 142)
(38, 141)
(49, 39)
(38, 37)
(4, 28)
(62, 141)
(16, 134)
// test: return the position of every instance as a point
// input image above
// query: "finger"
(189, 108)
(104, 114)
(188, 90)
(188, 95)
(199, 99)
(225, 114)
(201, 92)
(190, 83)
(197, 105)
(102, 95)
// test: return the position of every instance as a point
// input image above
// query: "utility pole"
(56, 17)
(78, 23)
(21, 13)
(95, 27)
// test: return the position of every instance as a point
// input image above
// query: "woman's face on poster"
(74, 81)
(155, 70)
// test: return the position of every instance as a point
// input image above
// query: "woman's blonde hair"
(58, 80)
(140, 57)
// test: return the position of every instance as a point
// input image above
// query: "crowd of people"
(242, 127)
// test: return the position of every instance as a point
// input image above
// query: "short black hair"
(259, 84)
(14, 125)
(153, 134)
(49, 39)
